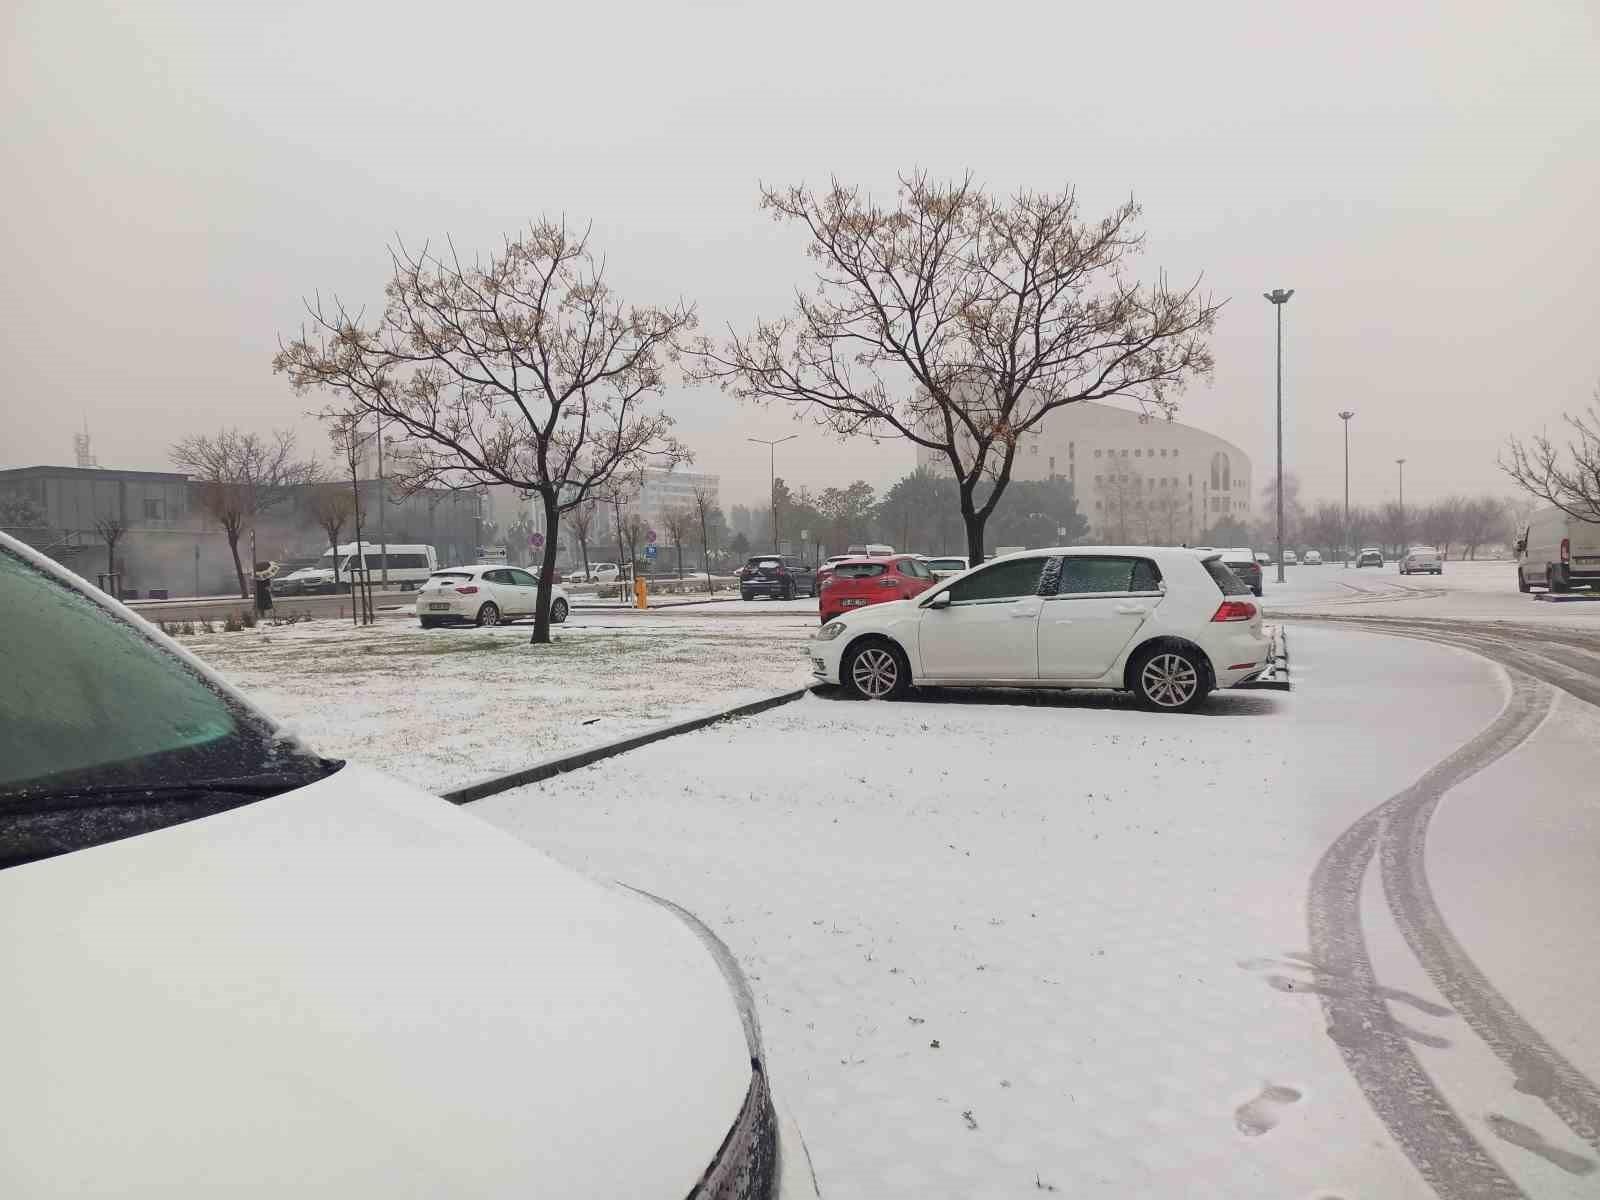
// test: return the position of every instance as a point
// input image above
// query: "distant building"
(170, 545)
(667, 488)
(1137, 479)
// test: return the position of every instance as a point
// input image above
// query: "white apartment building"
(665, 488)
(1137, 479)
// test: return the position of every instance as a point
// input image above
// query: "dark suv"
(1242, 562)
(781, 576)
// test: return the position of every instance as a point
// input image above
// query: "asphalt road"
(216, 608)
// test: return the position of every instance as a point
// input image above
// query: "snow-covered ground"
(1009, 947)
(1478, 591)
(444, 707)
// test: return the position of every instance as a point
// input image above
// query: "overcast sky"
(1426, 176)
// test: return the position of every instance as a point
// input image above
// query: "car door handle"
(1132, 610)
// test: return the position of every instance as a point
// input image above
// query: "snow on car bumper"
(824, 657)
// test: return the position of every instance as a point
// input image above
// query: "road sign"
(649, 537)
(536, 541)
(650, 552)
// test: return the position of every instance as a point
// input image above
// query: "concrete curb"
(560, 764)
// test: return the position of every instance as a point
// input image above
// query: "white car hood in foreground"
(353, 990)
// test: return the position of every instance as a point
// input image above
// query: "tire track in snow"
(1372, 1043)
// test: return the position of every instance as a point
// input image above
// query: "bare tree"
(1440, 523)
(959, 321)
(522, 369)
(110, 530)
(1567, 477)
(344, 431)
(704, 505)
(1323, 526)
(331, 506)
(678, 522)
(581, 521)
(630, 532)
(1483, 521)
(238, 476)
(1392, 527)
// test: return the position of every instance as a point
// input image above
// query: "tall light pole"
(1345, 536)
(1401, 548)
(1279, 297)
(772, 478)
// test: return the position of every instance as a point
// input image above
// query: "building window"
(1052, 464)
(1098, 480)
(1163, 454)
(152, 510)
(1136, 453)
(1072, 449)
(1097, 454)
(1098, 506)
(1034, 448)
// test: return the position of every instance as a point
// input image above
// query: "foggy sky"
(1426, 177)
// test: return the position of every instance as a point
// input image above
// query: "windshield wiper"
(112, 794)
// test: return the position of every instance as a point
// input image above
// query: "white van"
(408, 565)
(1558, 552)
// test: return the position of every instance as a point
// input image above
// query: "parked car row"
(1169, 625)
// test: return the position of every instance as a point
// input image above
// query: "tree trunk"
(547, 572)
(233, 548)
(679, 547)
(975, 523)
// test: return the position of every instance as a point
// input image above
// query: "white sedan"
(1168, 625)
(485, 595)
(235, 968)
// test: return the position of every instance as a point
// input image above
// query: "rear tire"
(429, 622)
(489, 614)
(875, 669)
(1558, 579)
(1170, 679)
(558, 612)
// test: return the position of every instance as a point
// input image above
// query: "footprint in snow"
(1258, 1116)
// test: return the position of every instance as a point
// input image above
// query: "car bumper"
(824, 657)
(766, 587)
(452, 610)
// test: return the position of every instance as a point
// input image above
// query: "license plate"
(438, 608)
(851, 603)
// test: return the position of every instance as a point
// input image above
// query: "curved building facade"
(1137, 479)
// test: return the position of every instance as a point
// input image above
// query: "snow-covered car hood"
(353, 990)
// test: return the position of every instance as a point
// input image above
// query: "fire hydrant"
(641, 594)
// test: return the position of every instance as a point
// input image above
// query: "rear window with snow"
(858, 570)
(1227, 582)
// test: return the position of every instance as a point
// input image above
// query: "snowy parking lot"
(1016, 943)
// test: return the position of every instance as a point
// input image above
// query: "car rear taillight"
(1566, 550)
(470, 589)
(1235, 610)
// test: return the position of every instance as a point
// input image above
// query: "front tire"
(558, 612)
(876, 670)
(1170, 679)
(489, 614)
(1522, 582)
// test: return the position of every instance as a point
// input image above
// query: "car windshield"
(94, 708)
(851, 570)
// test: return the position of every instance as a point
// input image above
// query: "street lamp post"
(1278, 298)
(1345, 537)
(1401, 548)
(772, 478)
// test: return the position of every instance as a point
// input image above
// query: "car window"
(1085, 575)
(946, 564)
(522, 578)
(1222, 575)
(918, 570)
(858, 570)
(497, 576)
(1146, 576)
(1002, 581)
(90, 702)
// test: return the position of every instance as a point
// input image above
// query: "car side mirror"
(942, 600)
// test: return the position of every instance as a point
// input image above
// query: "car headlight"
(829, 631)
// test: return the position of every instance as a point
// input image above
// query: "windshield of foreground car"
(95, 715)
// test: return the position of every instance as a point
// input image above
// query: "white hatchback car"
(1167, 624)
(234, 968)
(485, 594)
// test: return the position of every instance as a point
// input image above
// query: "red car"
(857, 582)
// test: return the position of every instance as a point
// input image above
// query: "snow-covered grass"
(1009, 947)
(444, 707)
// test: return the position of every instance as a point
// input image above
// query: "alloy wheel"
(488, 615)
(875, 673)
(1170, 680)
